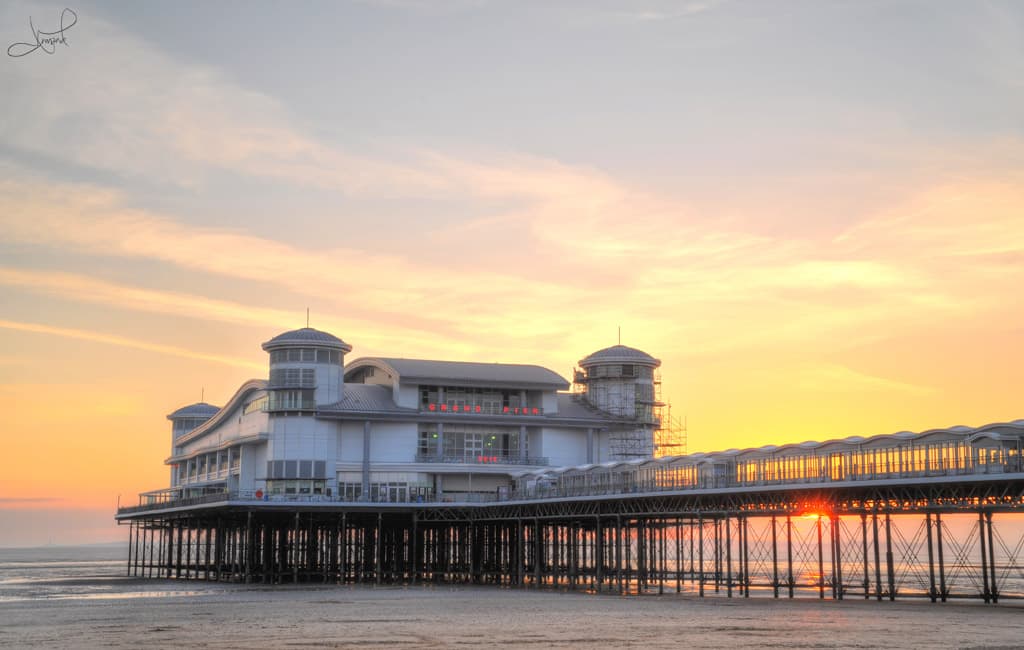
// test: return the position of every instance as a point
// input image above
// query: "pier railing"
(542, 491)
(482, 459)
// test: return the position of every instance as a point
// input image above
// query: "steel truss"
(877, 541)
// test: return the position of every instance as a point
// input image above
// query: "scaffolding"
(670, 437)
(655, 432)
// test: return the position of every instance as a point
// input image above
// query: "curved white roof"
(454, 373)
(619, 354)
(1013, 430)
(197, 410)
(307, 336)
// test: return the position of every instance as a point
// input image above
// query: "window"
(294, 355)
(292, 400)
(471, 443)
(292, 487)
(388, 491)
(258, 404)
(429, 395)
(459, 399)
(427, 442)
(292, 377)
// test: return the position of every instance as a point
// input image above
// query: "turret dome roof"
(197, 410)
(307, 336)
(619, 354)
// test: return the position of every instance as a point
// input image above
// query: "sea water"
(78, 572)
(81, 597)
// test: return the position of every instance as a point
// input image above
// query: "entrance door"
(397, 494)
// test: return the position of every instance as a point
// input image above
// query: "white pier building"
(399, 430)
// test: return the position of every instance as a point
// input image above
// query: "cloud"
(87, 289)
(83, 288)
(835, 377)
(672, 11)
(628, 13)
(626, 252)
(969, 218)
(123, 106)
(570, 249)
(95, 221)
(120, 341)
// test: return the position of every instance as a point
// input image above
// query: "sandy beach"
(161, 614)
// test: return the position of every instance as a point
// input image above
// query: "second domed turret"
(306, 369)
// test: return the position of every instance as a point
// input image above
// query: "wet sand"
(162, 615)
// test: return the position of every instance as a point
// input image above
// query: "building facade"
(398, 430)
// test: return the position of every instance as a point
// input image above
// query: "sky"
(811, 212)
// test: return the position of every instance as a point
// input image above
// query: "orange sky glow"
(854, 272)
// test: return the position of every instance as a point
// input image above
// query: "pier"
(932, 531)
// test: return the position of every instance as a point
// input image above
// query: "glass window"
(471, 443)
(427, 441)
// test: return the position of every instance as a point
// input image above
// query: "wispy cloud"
(796, 288)
(665, 11)
(840, 378)
(72, 286)
(165, 120)
(933, 224)
(637, 12)
(589, 234)
(125, 342)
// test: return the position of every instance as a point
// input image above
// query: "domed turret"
(620, 379)
(306, 369)
(189, 417)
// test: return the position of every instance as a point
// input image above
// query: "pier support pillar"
(943, 592)
(700, 554)
(821, 562)
(932, 592)
(789, 554)
(728, 556)
(992, 559)
(775, 560)
(890, 567)
(864, 541)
